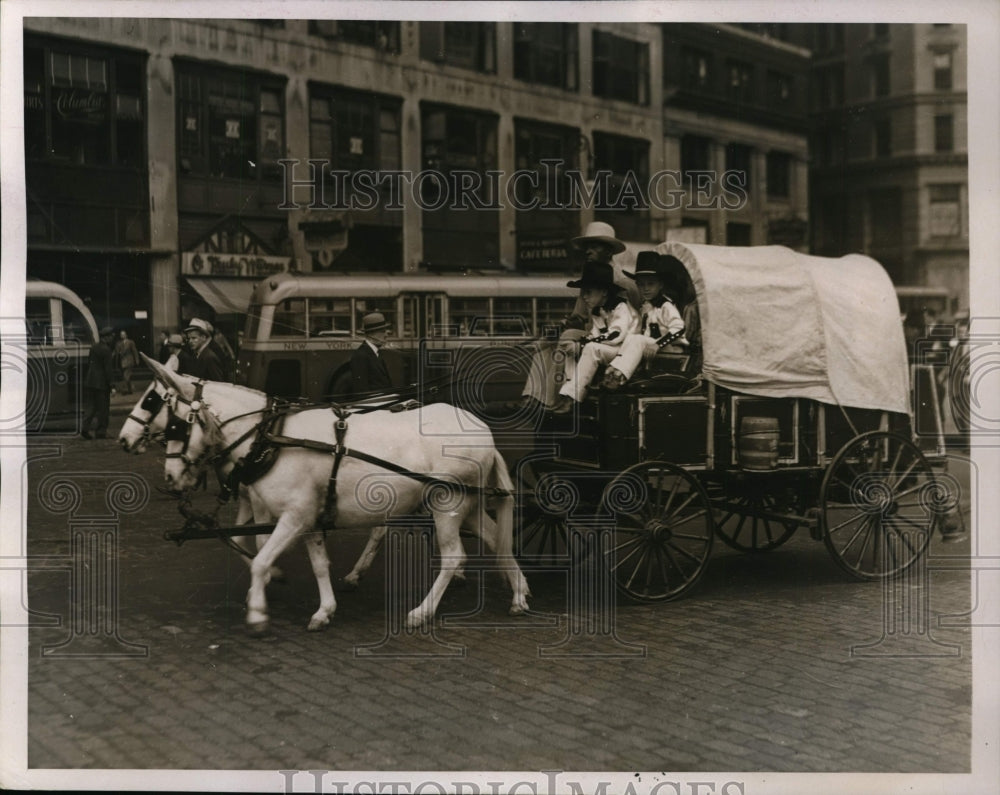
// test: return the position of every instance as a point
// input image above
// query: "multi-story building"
(889, 150)
(171, 163)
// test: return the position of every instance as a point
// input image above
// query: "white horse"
(148, 420)
(432, 440)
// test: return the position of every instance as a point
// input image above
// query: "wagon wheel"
(742, 528)
(877, 503)
(662, 533)
(542, 532)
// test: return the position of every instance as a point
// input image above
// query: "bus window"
(253, 322)
(512, 317)
(75, 328)
(38, 320)
(552, 311)
(469, 317)
(329, 317)
(364, 306)
(290, 318)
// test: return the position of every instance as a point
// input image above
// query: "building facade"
(889, 150)
(171, 163)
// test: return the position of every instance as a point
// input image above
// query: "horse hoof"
(348, 584)
(258, 629)
(415, 620)
(317, 624)
(518, 610)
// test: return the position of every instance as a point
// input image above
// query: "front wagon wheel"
(877, 505)
(661, 532)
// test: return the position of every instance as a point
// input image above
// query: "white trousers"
(635, 348)
(580, 373)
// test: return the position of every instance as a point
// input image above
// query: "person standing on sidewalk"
(128, 357)
(99, 385)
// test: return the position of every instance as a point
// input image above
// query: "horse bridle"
(153, 403)
(179, 429)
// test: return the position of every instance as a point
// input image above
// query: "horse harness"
(267, 444)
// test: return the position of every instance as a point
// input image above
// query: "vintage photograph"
(499, 398)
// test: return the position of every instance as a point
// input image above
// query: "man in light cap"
(368, 369)
(202, 362)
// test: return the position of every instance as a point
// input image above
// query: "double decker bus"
(475, 331)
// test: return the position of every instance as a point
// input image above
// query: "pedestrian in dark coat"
(368, 370)
(98, 385)
(201, 361)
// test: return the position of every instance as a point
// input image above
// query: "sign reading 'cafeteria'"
(255, 266)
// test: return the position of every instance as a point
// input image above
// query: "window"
(880, 75)
(739, 81)
(779, 168)
(738, 159)
(942, 71)
(546, 53)
(461, 145)
(624, 203)
(694, 155)
(469, 317)
(381, 34)
(84, 107)
(231, 123)
(779, 88)
(470, 45)
(885, 213)
(354, 131)
(945, 210)
(289, 318)
(697, 68)
(738, 234)
(329, 317)
(542, 232)
(882, 131)
(943, 136)
(620, 68)
(550, 312)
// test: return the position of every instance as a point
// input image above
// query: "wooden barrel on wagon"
(758, 443)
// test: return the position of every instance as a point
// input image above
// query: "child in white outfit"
(612, 319)
(662, 323)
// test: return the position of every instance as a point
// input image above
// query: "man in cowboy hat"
(201, 361)
(612, 319)
(368, 369)
(598, 244)
(99, 384)
(662, 324)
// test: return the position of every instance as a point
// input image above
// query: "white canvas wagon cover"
(777, 323)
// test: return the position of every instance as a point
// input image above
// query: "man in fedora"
(368, 369)
(99, 384)
(201, 361)
(597, 244)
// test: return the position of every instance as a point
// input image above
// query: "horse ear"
(166, 377)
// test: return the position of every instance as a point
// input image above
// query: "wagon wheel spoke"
(765, 533)
(888, 534)
(660, 548)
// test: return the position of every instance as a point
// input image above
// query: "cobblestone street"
(753, 671)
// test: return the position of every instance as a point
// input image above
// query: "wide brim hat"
(197, 324)
(596, 275)
(647, 263)
(599, 232)
(175, 341)
(373, 321)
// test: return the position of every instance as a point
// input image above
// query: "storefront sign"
(254, 266)
(542, 251)
(80, 105)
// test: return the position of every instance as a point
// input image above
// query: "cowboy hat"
(596, 275)
(373, 321)
(665, 267)
(599, 232)
(197, 324)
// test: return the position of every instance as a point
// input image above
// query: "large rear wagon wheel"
(542, 531)
(877, 505)
(662, 533)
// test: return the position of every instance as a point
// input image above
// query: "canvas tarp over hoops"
(777, 323)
